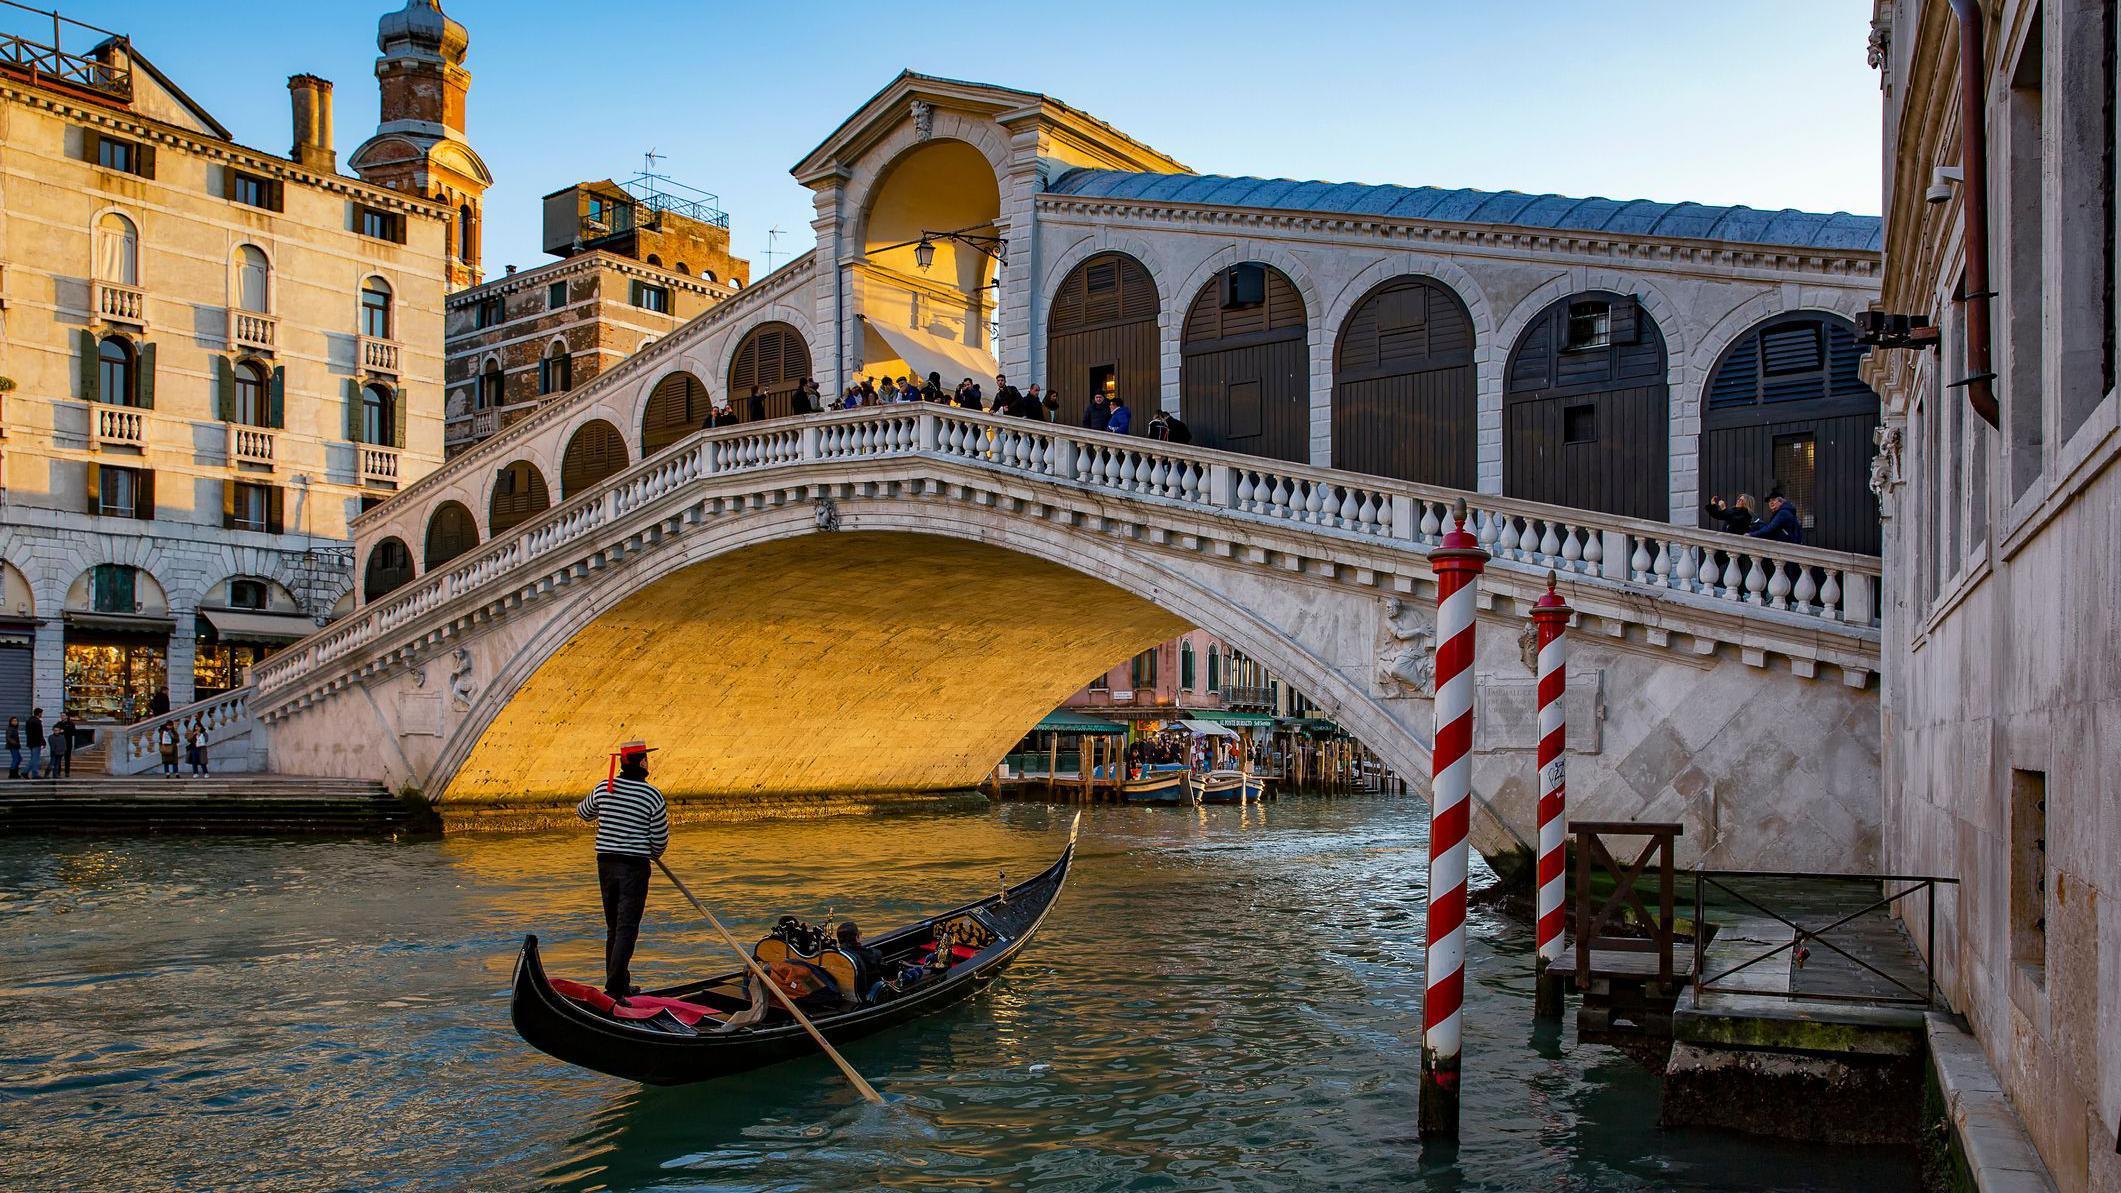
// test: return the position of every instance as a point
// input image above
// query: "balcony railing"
(49, 63)
(379, 466)
(249, 329)
(250, 445)
(121, 303)
(1235, 694)
(377, 355)
(115, 426)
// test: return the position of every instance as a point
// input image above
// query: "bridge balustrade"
(1825, 586)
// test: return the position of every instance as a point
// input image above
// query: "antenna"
(772, 235)
(648, 161)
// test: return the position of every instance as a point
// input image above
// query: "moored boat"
(1158, 787)
(676, 1035)
(1227, 787)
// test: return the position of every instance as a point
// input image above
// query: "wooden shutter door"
(91, 368)
(147, 377)
(277, 416)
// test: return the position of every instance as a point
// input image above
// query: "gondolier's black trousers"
(623, 877)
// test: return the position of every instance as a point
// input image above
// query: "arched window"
(389, 566)
(655, 260)
(1185, 664)
(708, 274)
(375, 309)
(773, 357)
(1215, 669)
(519, 493)
(378, 416)
(1584, 409)
(467, 230)
(555, 369)
(492, 385)
(595, 452)
(117, 250)
(117, 371)
(253, 280)
(250, 408)
(450, 533)
(684, 269)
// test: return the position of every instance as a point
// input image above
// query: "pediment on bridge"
(913, 99)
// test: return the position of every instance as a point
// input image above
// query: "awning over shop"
(120, 623)
(241, 625)
(925, 354)
(1207, 729)
(1064, 721)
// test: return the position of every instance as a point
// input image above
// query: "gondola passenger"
(868, 962)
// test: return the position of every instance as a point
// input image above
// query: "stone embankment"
(265, 805)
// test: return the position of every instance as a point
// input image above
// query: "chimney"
(312, 103)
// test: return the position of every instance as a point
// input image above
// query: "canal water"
(1224, 998)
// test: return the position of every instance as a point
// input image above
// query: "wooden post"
(1052, 762)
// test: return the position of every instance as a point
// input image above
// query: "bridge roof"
(1627, 217)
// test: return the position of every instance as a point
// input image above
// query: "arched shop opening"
(1786, 410)
(1245, 365)
(1404, 400)
(1585, 409)
(1101, 337)
(118, 626)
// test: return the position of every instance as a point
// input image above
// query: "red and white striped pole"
(1551, 614)
(1457, 563)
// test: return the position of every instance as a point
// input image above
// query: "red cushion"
(589, 996)
(644, 1006)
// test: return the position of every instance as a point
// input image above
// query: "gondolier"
(633, 827)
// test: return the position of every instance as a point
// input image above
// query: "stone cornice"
(148, 129)
(1661, 251)
(582, 263)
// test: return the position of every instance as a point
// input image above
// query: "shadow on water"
(1223, 999)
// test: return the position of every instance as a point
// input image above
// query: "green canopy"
(1222, 717)
(1063, 720)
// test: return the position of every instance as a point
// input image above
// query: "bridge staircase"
(265, 805)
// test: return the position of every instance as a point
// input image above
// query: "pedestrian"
(887, 393)
(933, 391)
(633, 826)
(1159, 426)
(1098, 415)
(166, 740)
(1782, 523)
(724, 416)
(755, 405)
(1033, 404)
(195, 748)
(160, 704)
(1179, 432)
(1122, 418)
(33, 736)
(14, 747)
(1732, 519)
(799, 401)
(1052, 411)
(1006, 396)
(63, 745)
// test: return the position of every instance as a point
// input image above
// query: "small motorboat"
(675, 1035)
(1228, 787)
(1171, 786)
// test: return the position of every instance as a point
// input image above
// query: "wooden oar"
(863, 1087)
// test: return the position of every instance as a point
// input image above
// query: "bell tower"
(420, 146)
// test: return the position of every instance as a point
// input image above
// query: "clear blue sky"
(1763, 102)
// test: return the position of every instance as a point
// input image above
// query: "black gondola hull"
(562, 1028)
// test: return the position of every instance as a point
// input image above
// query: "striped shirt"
(630, 817)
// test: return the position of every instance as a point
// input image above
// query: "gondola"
(1227, 787)
(661, 1051)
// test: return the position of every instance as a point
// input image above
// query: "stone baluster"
(1688, 567)
(1639, 562)
(1807, 588)
(1710, 573)
(1507, 544)
(1431, 527)
(1661, 566)
(1830, 595)
(1778, 585)
(1755, 582)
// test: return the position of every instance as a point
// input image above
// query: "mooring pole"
(1551, 614)
(1457, 564)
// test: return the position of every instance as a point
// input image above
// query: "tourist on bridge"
(1783, 524)
(1167, 426)
(723, 416)
(63, 745)
(1006, 396)
(1736, 518)
(633, 826)
(166, 743)
(195, 747)
(755, 405)
(1098, 414)
(33, 734)
(1122, 420)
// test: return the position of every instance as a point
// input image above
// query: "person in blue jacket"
(1122, 418)
(1782, 523)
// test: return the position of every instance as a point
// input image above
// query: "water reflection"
(1225, 997)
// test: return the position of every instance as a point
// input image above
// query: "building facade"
(2002, 688)
(1194, 674)
(636, 261)
(219, 357)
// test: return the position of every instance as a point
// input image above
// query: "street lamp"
(924, 248)
(924, 254)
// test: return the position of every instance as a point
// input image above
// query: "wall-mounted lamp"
(924, 248)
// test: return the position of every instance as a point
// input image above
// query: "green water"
(1225, 998)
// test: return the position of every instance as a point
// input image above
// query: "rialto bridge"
(885, 599)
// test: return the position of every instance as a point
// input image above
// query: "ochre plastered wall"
(832, 663)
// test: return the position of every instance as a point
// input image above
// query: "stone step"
(242, 804)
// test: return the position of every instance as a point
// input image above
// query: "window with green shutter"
(1185, 665)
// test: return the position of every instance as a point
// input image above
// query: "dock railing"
(1808, 927)
(1598, 929)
